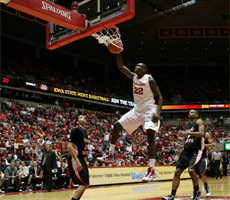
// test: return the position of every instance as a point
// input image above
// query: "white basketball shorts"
(140, 116)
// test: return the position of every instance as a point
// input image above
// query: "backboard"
(99, 14)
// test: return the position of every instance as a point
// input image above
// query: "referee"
(217, 158)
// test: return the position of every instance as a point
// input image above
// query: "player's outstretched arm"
(157, 95)
(122, 68)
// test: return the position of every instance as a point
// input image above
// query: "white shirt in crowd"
(25, 141)
(90, 147)
(39, 156)
(106, 137)
(129, 148)
(25, 170)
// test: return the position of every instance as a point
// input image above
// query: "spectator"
(63, 178)
(3, 165)
(32, 156)
(106, 139)
(35, 172)
(39, 156)
(55, 180)
(1, 181)
(11, 177)
(25, 175)
(22, 156)
(9, 158)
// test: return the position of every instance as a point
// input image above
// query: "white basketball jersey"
(142, 92)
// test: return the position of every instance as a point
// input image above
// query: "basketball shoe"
(150, 175)
(109, 158)
(197, 195)
(208, 191)
(168, 198)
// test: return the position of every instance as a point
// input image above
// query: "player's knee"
(191, 171)
(177, 173)
(84, 186)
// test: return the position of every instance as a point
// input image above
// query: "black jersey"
(80, 140)
(193, 143)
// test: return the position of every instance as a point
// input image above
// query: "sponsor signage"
(52, 8)
(50, 12)
(227, 146)
(202, 106)
(43, 87)
(122, 102)
(30, 84)
(117, 175)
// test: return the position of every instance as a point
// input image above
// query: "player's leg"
(196, 190)
(151, 135)
(130, 121)
(203, 167)
(151, 129)
(182, 164)
(81, 178)
(79, 192)
(207, 189)
(175, 184)
(194, 165)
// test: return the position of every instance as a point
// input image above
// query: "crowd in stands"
(31, 70)
(24, 130)
(211, 89)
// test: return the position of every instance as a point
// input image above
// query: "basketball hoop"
(111, 38)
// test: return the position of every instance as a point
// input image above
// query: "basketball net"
(110, 35)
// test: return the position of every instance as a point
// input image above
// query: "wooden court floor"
(141, 191)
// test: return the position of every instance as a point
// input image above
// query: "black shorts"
(82, 177)
(189, 159)
(203, 165)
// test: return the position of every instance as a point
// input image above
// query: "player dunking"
(191, 155)
(146, 112)
(78, 149)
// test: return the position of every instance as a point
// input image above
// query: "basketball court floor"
(141, 191)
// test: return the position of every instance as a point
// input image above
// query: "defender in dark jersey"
(192, 154)
(78, 149)
(203, 165)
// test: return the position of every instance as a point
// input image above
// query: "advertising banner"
(118, 175)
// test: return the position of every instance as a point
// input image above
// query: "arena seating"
(25, 128)
(200, 90)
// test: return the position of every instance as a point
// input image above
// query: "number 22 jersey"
(142, 92)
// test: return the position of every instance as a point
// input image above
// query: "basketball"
(115, 46)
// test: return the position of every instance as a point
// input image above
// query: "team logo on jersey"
(191, 129)
(139, 84)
